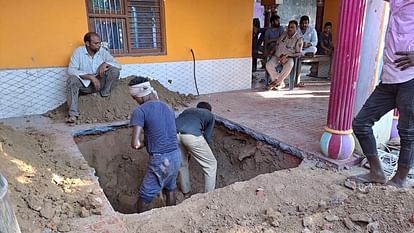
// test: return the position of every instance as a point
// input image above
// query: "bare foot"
(369, 178)
(398, 183)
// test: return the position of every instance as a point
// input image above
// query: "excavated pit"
(121, 169)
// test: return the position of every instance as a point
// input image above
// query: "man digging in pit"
(194, 130)
(91, 69)
(157, 121)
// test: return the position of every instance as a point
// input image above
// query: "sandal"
(300, 84)
(273, 86)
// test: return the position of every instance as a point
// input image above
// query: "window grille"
(129, 27)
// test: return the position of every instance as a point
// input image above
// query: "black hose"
(195, 79)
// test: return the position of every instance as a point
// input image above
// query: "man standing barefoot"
(396, 90)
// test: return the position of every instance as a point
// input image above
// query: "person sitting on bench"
(288, 46)
(273, 33)
(310, 36)
(325, 45)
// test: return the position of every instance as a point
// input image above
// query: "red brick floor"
(295, 117)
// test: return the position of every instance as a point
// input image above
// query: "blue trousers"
(385, 98)
(161, 175)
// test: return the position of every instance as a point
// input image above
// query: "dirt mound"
(43, 183)
(293, 200)
(118, 106)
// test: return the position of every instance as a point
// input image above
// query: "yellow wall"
(331, 13)
(40, 33)
(43, 33)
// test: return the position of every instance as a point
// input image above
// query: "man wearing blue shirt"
(194, 131)
(272, 34)
(157, 120)
(90, 64)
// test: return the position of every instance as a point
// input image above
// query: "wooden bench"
(324, 64)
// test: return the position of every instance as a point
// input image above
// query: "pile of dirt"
(294, 200)
(118, 106)
(43, 183)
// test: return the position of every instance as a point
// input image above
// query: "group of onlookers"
(279, 46)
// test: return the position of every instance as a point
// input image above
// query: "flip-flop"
(272, 86)
(301, 84)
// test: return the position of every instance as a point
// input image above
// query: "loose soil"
(293, 200)
(43, 183)
(121, 169)
(303, 199)
(118, 106)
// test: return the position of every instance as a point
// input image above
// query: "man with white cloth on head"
(157, 120)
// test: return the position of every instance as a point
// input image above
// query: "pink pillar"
(337, 141)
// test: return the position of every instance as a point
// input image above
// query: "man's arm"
(208, 132)
(322, 44)
(136, 137)
(298, 48)
(108, 61)
(75, 64)
(314, 38)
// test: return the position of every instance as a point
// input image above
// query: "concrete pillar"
(337, 141)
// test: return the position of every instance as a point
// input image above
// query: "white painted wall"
(36, 91)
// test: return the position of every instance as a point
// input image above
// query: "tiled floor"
(296, 118)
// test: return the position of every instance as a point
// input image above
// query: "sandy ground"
(43, 183)
(293, 200)
(49, 190)
(44, 191)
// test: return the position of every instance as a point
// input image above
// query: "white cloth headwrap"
(141, 90)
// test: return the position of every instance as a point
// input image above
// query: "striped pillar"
(394, 130)
(337, 141)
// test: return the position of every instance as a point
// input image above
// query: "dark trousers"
(385, 98)
(74, 87)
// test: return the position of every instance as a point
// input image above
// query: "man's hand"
(95, 81)
(406, 60)
(283, 59)
(102, 68)
(306, 45)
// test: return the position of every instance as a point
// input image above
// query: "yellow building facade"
(38, 37)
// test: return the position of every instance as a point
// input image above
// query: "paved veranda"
(295, 118)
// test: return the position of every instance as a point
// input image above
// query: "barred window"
(129, 27)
